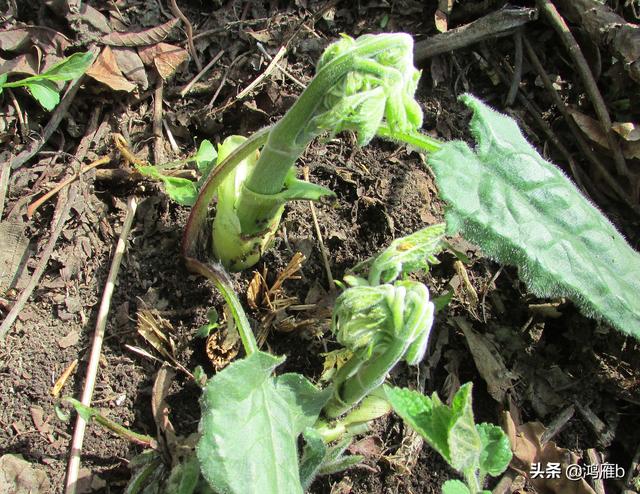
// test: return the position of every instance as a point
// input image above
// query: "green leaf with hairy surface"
(450, 430)
(250, 426)
(405, 255)
(313, 454)
(455, 487)
(496, 450)
(522, 210)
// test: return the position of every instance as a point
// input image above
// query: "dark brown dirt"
(382, 192)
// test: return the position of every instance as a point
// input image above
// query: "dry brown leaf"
(591, 128)
(165, 57)
(222, 347)
(262, 36)
(628, 130)
(20, 477)
(369, 447)
(288, 272)
(528, 449)
(71, 339)
(160, 408)
(142, 38)
(105, 70)
(131, 66)
(22, 39)
(26, 63)
(155, 330)
(488, 361)
(255, 290)
(441, 21)
(14, 246)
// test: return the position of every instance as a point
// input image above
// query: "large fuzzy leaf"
(250, 426)
(522, 210)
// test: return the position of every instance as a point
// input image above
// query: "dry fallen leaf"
(20, 477)
(628, 130)
(106, 70)
(165, 57)
(256, 290)
(488, 361)
(593, 130)
(131, 66)
(528, 449)
(69, 340)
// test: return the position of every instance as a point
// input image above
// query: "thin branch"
(45, 197)
(199, 75)
(582, 144)
(96, 349)
(59, 218)
(4, 184)
(581, 65)
(192, 49)
(517, 69)
(158, 142)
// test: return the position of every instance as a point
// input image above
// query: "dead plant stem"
(96, 349)
(570, 43)
(59, 218)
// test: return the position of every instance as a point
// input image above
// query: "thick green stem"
(370, 375)
(291, 135)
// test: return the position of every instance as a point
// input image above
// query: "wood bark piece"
(607, 29)
(500, 23)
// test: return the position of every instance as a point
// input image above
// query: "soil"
(557, 359)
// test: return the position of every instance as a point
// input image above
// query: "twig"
(172, 140)
(119, 174)
(225, 76)
(264, 75)
(59, 113)
(582, 144)
(192, 49)
(59, 218)
(37, 203)
(282, 69)
(557, 424)
(199, 75)
(24, 129)
(94, 359)
(526, 102)
(4, 184)
(594, 459)
(517, 69)
(504, 486)
(323, 252)
(560, 26)
(499, 23)
(158, 142)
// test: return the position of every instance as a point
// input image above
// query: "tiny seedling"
(43, 86)
(474, 450)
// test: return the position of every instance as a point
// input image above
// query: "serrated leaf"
(407, 254)
(250, 425)
(455, 487)
(496, 450)
(449, 430)
(522, 210)
(45, 92)
(312, 456)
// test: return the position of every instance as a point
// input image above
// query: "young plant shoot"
(359, 85)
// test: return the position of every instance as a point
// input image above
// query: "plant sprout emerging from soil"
(360, 85)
